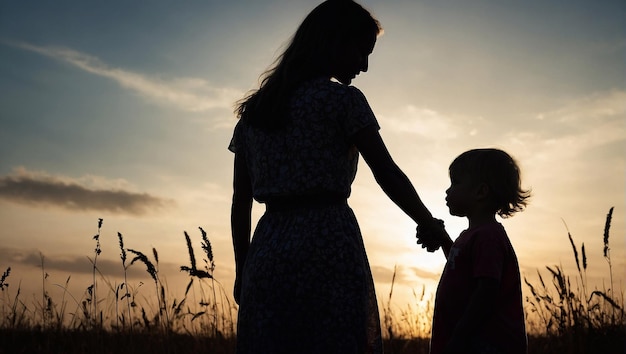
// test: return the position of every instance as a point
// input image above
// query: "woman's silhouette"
(304, 283)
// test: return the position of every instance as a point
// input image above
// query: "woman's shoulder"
(331, 97)
(325, 84)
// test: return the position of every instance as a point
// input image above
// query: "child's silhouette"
(478, 306)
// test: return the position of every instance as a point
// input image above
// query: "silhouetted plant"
(123, 286)
(3, 278)
(207, 273)
(572, 313)
(571, 318)
(152, 270)
(90, 307)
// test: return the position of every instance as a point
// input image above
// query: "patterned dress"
(307, 285)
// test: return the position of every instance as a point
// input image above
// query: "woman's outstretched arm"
(389, 176)
(240, 218)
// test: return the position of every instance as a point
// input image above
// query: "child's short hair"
(499, 171)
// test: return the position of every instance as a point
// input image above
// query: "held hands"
(431, 235)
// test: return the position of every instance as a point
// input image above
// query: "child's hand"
(431, 235)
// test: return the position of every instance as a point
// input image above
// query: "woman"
(304, 283)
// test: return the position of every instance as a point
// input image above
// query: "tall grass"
(564, 315)
(407, 330)
(119, 310)
(583, 320)
(125, 296)
(217, 308)
(92, 290)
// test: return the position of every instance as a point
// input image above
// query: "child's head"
(499, 172)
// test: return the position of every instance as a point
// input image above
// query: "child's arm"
(478, 311)
(446, 245)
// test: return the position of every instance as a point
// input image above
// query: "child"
(478, 306)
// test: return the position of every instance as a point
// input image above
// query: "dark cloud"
(75, 265)
(50, 191)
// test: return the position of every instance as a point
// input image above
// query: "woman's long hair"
(310, 54)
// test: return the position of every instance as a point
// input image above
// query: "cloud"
(581, 124)
(584, 124)
(594, 107)
(41, 189)
(422, 121)
(424, 274)
(188, 94)
(77, 265)
(403, 275)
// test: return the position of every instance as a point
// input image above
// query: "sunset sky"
(122, 110)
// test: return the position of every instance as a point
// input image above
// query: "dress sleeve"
(358, 113)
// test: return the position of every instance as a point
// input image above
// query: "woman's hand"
(431, 235)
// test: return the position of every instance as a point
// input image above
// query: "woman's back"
(313, 152)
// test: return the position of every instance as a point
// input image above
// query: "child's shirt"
(483, 251)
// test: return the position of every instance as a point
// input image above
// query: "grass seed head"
(607, 226)
(144, 259)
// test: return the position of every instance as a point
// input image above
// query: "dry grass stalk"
(123, 286)
(572, 314)
(3, 278)
(569, 320)
(607, 250)
(225, 316)
(152, 270)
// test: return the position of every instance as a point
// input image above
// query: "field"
(115, 317)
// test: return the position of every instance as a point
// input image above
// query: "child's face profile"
(460, 196)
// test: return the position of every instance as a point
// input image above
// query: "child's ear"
(482, 191)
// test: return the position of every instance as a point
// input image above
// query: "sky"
(124, 110)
